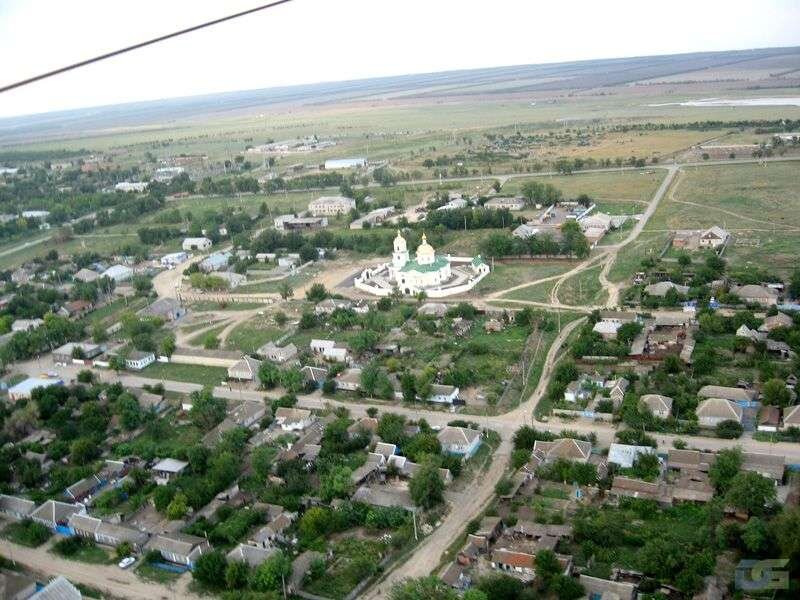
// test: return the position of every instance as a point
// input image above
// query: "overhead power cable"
(150, 42)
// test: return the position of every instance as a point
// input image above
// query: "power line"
(155, 40)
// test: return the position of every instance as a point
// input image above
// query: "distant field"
(758, 204)
(509, 275)
(607, 187)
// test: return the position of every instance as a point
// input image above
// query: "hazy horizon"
(310, 42)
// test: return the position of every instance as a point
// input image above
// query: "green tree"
(262, 460)
(725, 468)
(785, 530)
(391, 428)
(336, 483)
(755, 535)
(751, 492)
(422, 588)
(269, 375)
(776, 393)
(292, 380)
(83, 451)
(178, 507)
(123, 550)
(316, 293)
(167, 347)
(237, 573)
(285, 290)
(729, 430)
(207, 411)
(270, 574)
(209, 569)
(501, 587)
(427, 486)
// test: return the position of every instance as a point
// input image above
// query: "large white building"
(428, 272)
(325, 206)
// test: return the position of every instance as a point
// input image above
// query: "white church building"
(435, 274)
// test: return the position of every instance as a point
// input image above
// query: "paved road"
(106, 578)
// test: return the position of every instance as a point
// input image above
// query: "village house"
(443, 394)
(63, 355)
(293, 419)
(327, 306)
(277, 354)
(713, 411)
(658, 405)
(713, 237)
(173, 259)
(331, 206)
(733, 394)
(244, 369)
(26, 325)
(86, 275)
(23, 389)
(498, 203)
(196, 243)
(769, 418)
(525, 231)
(459, 441)
(16, 508)
(776, 322)
(364, 424)
(53, 514)
(59, 588)
(618, 387)
(168, 309)
(603, 589)
(372, 218)
(625, 455)
(661, 288)
(250, 555)
(105, 533)
(149, 401)
(293, 223)
(18, 586)
(330, 350)
(315, 376)
(118, 273)
(627, 487)
(756, 294)
(138, 360)
(168, 469)
(545, 453)
(433, 309)
(180, 548)
(217, 261)
(349, 380)
(791, 416)
(76, 309)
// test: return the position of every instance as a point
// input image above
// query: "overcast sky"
(325, 40)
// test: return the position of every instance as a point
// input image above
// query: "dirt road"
(106, 578)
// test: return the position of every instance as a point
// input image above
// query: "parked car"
(127, 562)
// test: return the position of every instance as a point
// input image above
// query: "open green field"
(532, 293)
(583, 288)
(506, 275)
(629, 259)
(758, 204)
(252, 334)
(188, 373)
(607, 187)
(274, 286)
